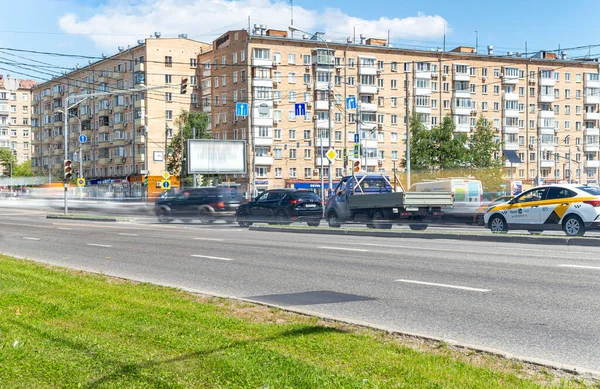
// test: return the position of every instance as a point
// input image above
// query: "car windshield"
(593, 190)
(306, 196)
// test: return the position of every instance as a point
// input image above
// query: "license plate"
(310, 206)
(412, 209)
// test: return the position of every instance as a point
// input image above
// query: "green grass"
(67, 329)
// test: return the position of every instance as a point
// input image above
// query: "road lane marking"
(581, 267)
(98, 245)
(341, 248)
(209, 257)
(30, 238)
(212, 239)
(65, 229)
(445, 285)
(126, 234)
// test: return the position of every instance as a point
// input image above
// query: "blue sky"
(68, 26)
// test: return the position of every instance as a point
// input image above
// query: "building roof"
(23, 84)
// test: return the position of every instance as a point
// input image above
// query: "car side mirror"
(512, 201)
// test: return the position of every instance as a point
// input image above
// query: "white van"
(468, 195)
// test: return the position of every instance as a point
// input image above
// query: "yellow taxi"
(480, 212)
(573, 208)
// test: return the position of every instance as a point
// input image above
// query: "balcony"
(262, 82)
(423, 74)
(321, 161)
(592, 164)
(510, 79)
(591, 147)
(511, 113)
(462, 128)
(547, 82)
(140, 139)
(206, 72)
(139, 103)
(367, 89)
(140, 157)
(104, 161)
(85, 116)
(262, 63)
(371, 161)
(419, 109)
(591, 131)
(546, 114)
(321, 105)
(207, 108)
(263, 141)
(546, 98)
(368, 125)
(57, 95)
(120, 142)
(263, 161)
(117, 76)
(591, 83)
(367, 70)
(368, 144)
(548, 146)
(322, 85)
(422, 91)
(511, 96)
(587, 99)
(118, 108)
(464, 111)
(104, 112)
(206, 91)
(139, 122)
(370, 107)
(547, 163)
(461, 76)
(262, 121)
(511, 146)
(511, 129)
(591, 116)
(507, 163)
(462, 93)
(326, 143)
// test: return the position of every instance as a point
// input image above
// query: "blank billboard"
(216, 156)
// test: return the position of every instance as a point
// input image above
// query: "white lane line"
(445, 285)
(126, 234)
(64, 229)
(209, 257)
(341, 248)
(98, 245)
(212, 239)
(581, 267)
(30, 238)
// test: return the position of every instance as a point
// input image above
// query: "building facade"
(126, 105)
(15, 119)
(531, 101)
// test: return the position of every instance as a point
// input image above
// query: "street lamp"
(330, 105)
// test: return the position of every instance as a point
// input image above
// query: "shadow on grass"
(134, 368)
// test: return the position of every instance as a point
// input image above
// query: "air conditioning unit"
(532, 82)
(124, 160)
(444, 76)
(307, 68)
(578, 148)
(195, 105)
(379, 125)
(501, 74)
(473, 112)
(483, 78)
(308, 86)
(530, 147)
(309, 103)
(433, 75)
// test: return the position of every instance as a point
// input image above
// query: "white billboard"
(216, 156)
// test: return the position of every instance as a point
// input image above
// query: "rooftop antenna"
(444, 35)
(292, 11)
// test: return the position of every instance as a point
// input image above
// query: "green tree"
(483, 146)
(449, 149)
(5, 158)
(421, 156)
(188, 121)
(23, 169)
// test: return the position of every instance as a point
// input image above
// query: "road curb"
(558, 241)
(91, 219)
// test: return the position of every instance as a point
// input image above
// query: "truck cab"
(355, 185)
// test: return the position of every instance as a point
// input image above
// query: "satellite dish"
(11, 84)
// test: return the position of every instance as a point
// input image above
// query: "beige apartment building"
(15, 119)
(125, 104)
(530, 100)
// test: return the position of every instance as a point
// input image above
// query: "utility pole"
(570, 171)
(539, 161)
(182, 179)
(330, 130)
(407, 91)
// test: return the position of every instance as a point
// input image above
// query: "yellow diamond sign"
(166, 175)
(331, 155)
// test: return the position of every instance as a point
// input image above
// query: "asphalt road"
(532, 301)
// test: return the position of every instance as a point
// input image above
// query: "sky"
(93, 27)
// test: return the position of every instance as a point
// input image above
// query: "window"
(168, 61)
(307, 153)
(394, 66)
(568, 77)
(394, 84)
(242, 56)
(306, 78)
(235, 77)
(169, 114)
(292, 172)
(394, 101)
(292, 153)
(292, 134)
(278, 173)
(307, 172)
(223, 61)
(496, 72)
(261, 54)
(276, 58)
(234, 58)
(407, 67)
(306, 59)
(292, 78)
(168, 78)
(291, 58)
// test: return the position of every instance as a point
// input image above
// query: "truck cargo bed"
(399, 200)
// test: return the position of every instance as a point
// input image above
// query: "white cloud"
(117, 23)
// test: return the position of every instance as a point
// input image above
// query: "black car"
(206, 204)
(282, 206)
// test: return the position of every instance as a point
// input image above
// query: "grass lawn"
(65, 329)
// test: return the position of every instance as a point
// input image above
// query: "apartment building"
(15, 118)
(529, 100)
(126, 105)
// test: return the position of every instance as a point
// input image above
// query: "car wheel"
(498, 224)
(573, 226)
(378, 221)
(418, 227)
(205, 216)
(243, 219)
(480, 221)
(333, 221)
(282, 218)
(314, 223)
(164, 216)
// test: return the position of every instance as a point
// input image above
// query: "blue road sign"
(82, 138)
(356, 138)
(356, 151)
(241, 109)
(351, 103)
(300, 109)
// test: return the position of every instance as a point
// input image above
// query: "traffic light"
(68, 170)
(356, 166)
(184, 84)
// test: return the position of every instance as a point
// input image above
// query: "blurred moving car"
(478, 218)
(573, 208)
(282, 206)
(205, 204)
(468, 196)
